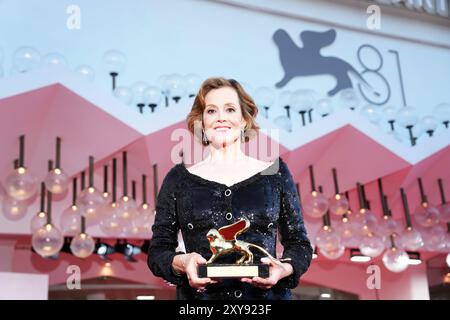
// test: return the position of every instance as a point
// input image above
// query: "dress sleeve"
(293, 234)
(165, 232)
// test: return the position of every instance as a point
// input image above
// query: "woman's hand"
(277, 271)
(190, 263)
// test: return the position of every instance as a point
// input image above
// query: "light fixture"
(146, 217)
(103, 249)
(57, 180)
(48, 240)
(90, 200)
(12, 208)
(445, 207)
(447, 260)
(414, 258)
(114, 63)
(410, 239)
(26, 59)
(111, 223)
(21, 184)
(427, 215)
(339, 202)
(126, 206)
(315, 203)
(152, 97)
(264, 97)
(127, 249)
(302, 101)
(70, 218)
(328, 240)
(39, 219)
(325, 295)
(357, 256)
(145, 298)
(82, 245)
(395, 259)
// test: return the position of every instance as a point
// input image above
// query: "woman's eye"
(232, 109)
(210, 110)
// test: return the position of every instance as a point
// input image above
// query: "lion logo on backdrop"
(307, 60)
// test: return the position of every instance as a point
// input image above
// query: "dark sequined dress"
(193, 204)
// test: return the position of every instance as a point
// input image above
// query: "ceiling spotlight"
(103, 250)
(127, 249)
(357, 256)
(414, 258)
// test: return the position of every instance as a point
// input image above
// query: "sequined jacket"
(194, 205)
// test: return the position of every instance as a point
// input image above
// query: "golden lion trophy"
(222, 242)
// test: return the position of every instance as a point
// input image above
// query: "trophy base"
(233, 271)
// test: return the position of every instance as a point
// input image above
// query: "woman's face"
(222, 117)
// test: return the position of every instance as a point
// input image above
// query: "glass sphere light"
(56, 181)
(315, 204)
(82, 246)
(47, 241)
(21, 184)
(38, 221)
(395, 260)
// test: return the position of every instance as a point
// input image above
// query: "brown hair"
(248, 107)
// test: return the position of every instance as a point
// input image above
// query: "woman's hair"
(248, 107)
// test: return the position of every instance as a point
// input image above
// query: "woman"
(218, 191)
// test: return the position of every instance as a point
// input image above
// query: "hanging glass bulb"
(442, 112)
(349, 236)
(303, 99)
(371, 245)
(114, 61)
(38, 221)
(407, 116)
(86, 72)
(389, 114)
(82, 246)
(445, 212)
(177, 86)
(126, 208)
(395, 259)
(47, 241)
(372, 112)
(447, 260)
(111, 223)
(429, 124)
(329, 243)
(427, 215)
(370, 222)
(264, 99)
(70, 221)
(54, 58)
(283, 122)
(56, 181)
(21, 184)
(339, 205)
(26, 59)
(193, 83)
(90, 201)
(124, 94)
(324, 107)
(144, 220)
(410, 239)
(284, 99)
(315, 204)
(348, 99)
(152, 97)
(389, 226)
(14, 209)
(434, 237)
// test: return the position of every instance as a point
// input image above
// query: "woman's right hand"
(190, 263)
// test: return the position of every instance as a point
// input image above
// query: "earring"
(204, 138)
(242, 135)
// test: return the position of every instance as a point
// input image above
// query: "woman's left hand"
(277, 271)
